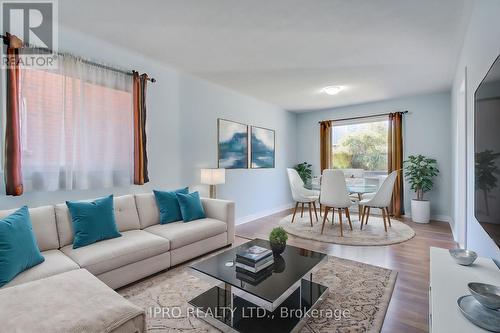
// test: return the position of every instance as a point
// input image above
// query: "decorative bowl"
(463, 257)
(486, 294)
(478, 314)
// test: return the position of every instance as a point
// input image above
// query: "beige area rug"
(372, 234)
(363, 290)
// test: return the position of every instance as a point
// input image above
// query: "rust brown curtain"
(13, 172)
(140, 155)
(325, 144)
(395, 161)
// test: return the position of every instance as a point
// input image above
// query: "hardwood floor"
(409, 306)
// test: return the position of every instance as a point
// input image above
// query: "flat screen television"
(487, 152)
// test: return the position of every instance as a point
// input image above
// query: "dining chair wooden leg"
(324, 212)
(348, 214)
(333, 215)
(360, 197)
(315, 211)
(324, 219)
(340, 221)
(310, 214)
(363, 217)
(388, 217)
(302, 211)
(295, 211)
(367, 215)
(383, 217)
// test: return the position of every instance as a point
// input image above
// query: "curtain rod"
(362, 117)
(152, 79)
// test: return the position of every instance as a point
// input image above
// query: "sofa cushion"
(55, 262)
(133, 246)
(43, 220)
(149, 213)
(74, 301)
(125, 216)
(181, 234)
(126, 213)
(18, 248)
(93, 221)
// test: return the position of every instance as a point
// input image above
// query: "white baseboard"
(440, 218)
(252, 217)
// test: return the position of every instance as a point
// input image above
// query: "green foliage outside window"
(365, 149)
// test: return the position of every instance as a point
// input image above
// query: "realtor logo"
(35, 23)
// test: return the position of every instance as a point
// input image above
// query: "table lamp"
(213, 177)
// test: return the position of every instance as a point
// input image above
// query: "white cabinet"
(448, 281)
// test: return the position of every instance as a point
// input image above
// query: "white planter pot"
(420, 211)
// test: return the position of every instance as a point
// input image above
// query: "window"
(360, 145)
(76, 127)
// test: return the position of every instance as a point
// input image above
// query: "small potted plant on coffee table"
(419, 171)
(278, 238)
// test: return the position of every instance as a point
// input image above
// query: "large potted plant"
(420, 171)
(305, 172)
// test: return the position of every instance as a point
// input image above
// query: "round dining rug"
(359, 291)
(372, 234)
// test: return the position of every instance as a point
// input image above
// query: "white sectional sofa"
(145, 247)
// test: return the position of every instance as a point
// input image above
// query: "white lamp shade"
(213, 176)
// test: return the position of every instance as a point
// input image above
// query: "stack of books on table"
(254, 264)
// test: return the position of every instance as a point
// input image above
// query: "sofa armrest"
(222, 210)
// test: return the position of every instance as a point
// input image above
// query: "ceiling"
(284, 51)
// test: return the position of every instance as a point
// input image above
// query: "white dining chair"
(334, 196)
(302, 195)
(381, 200)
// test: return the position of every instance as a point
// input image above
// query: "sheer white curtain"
(77, 127)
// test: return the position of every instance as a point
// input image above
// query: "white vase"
(420, 211)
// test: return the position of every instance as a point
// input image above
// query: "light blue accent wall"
(181, 127)
(253, 190)
(426, 130)
(480, 48)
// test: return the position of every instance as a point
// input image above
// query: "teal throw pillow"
(191, 207)
(169, 205)
(92, 221)
(18, 247)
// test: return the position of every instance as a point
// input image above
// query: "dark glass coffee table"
(278, 303)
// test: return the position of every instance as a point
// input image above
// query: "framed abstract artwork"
(262, 148)
(232, 144)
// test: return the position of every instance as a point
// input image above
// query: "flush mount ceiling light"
(332, 90)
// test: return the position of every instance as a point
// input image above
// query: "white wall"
(481, 47)
(426, 130)
(181, 127)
